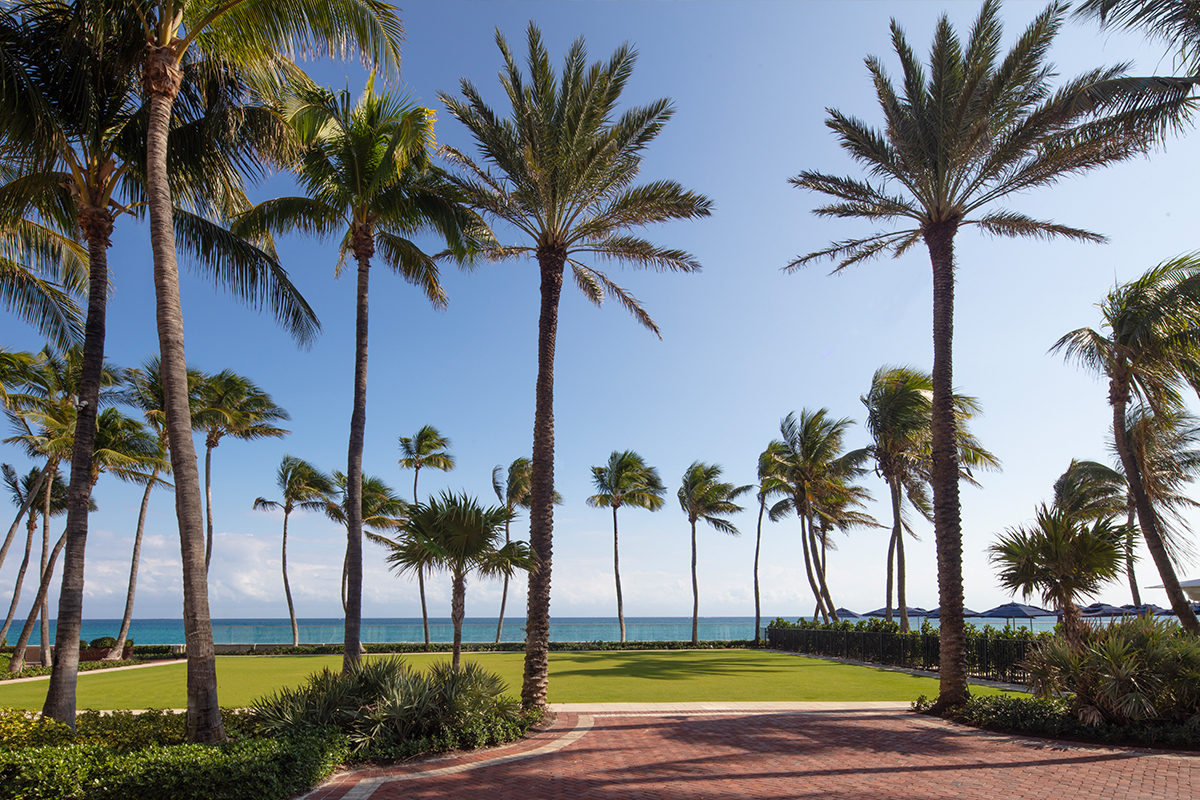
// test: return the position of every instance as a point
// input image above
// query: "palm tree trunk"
(44, 640)
(1118, 396)
(901, 589)
(762, 506)
(812, 581)
(208, 520)
(897, 531)
(504, 594)
(617, 574)
(287, 589)
(1133, 587)
(25, 506)
(695, 592)
(12, 608)
(458, 610)
(18, 656)
(820, 556)
(424, 610)
(947, 515)
(161, 83)
(119, 650)
(1072, 625)
(364, 242)
(541, 485)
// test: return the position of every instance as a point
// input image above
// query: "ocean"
(331, 631)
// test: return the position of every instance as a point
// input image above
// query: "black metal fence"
(987, 659)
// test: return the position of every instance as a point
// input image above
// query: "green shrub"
(28, 729)
(103, 642)
(388, 711)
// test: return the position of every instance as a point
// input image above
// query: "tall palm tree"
(251, 35)
(1062, 558)
(1151, 350)
(456, 533)
(305, 487)
(769, 485)
(899, 407)
(366, 168)
(566, 163)
(428, 448)
(815, 469)
(626, 480)
(703, 496)
(23, 489)
(976, 128)
(232, 405)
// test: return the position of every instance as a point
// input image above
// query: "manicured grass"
(663, 676)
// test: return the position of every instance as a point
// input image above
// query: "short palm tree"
(232, 405)
(456, 533)
(366, 168)
(703, 496)
(1151, 352)
(303, 487)
(899, 407)
(626, 480)
(428, 448)
(816, 471)
(1061, 557)
(566, 162)
(975, 129)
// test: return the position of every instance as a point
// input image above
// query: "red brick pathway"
(826, 754)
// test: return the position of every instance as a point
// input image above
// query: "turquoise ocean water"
(331, 631)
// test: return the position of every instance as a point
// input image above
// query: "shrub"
(1136, 670)
(104, 642)
(388, 711)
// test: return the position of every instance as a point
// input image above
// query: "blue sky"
(743, 343)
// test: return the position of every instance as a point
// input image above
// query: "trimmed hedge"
(250, 769)
(482, 647)
(84, 666)
(1052, 718)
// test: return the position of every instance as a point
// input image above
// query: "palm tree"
(1153, 347)
(456, 533)
(1173, 22)
(566, 163)
(769, 485)
(899, 420)
(367, 170)
(428, 448)
(250, 35)
(24, 489)
(304, 487)
(815, 470)
(702, 496)
(977, 128)
(626, 480)
(232, 405)
(380, 507)
(1062, 558)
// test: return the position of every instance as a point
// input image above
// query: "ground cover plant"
(610, 676)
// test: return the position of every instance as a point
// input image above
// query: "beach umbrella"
(937, 613)
(845, 612)
(912, 612)
(1104, 610)
(1145, 608)
(1190, 587)
(1015, 611)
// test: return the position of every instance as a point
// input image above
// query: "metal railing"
(987, 659)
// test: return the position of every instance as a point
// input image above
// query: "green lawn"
(633, 677)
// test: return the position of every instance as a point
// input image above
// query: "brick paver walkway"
(827, 754)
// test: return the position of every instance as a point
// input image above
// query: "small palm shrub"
(1135, 671)
(388, 711)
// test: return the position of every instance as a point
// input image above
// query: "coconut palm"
(899, 422)
(381, 510)
(1151, 350)
(428, 448)
(626, 480)
(702, 496)
(565, 164)
(976, 128)
(304, 487)
(23, 489)
(816, 471)
(769, 485)
(366, 167)
(461, 536)
(1062, 558)
(232, 405)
